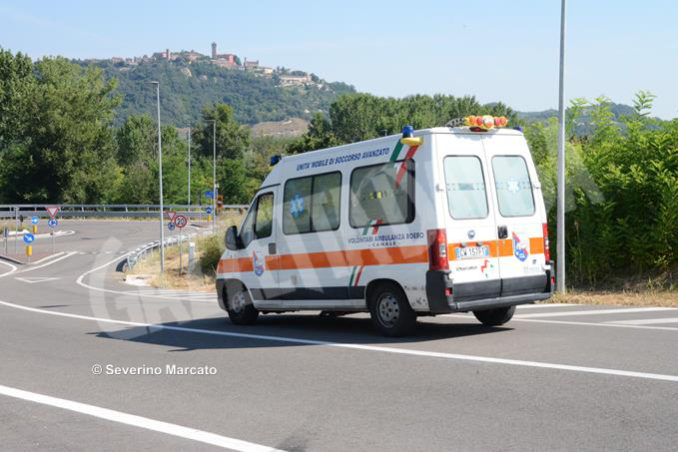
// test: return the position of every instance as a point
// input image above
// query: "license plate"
(472, 252)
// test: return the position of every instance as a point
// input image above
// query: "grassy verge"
(664, 298)
(208, 251)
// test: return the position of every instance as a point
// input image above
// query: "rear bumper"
(438, 283)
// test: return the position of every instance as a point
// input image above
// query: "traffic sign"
(208, 210)
(52, 223)
(209, 194)
(35, 220)
(171, 214)
(28, 238)
(180, 221)
(171, 226)
(52, 211)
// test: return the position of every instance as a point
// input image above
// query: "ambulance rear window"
(382, 194)
(514, 188)
(466, 196)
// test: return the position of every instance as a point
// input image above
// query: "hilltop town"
(283, 76)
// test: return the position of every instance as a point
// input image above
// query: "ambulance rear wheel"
(391, 313)
(495, 317)
(240, 309)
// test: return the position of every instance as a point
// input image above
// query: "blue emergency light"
(408, 131)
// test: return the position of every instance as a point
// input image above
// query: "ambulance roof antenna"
(456, 122)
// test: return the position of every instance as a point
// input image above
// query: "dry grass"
(195, 281)
(620, 298)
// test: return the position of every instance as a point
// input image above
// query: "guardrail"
(140, 252)
(109, 210)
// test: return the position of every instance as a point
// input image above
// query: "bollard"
(35, 229)
(209, 219)
(191, 257)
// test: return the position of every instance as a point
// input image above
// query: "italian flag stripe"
(396, 151)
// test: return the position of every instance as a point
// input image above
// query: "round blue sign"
(35, 220)
(208, 210)
(171, 226)
(52, 223)
(28, 238)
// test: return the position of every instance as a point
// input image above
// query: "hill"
(584, 125)
(186, 87)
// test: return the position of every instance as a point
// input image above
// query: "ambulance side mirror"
(231, 239)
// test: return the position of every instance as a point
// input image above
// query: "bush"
(212, 249)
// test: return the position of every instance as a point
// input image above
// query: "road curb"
(9, 259)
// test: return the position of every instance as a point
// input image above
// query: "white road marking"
(544, 305)
(592, 312)
(66, 256)
(373, 348)
(568, 322)
(119, 292)
(37, 279)
(14, 268)
(52, 256)
(137, 421)
(646, 321)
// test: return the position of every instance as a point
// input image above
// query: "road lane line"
(137, 421)
(646, 321)
(545, 305)
(374, 348)
(569, 322)
(66, 256)
(14, 268)
(592, 312)
(52, 256)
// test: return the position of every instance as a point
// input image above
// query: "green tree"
(232, 138)
(66, 152)
(16, 86)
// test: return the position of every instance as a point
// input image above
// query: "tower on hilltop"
(214, 50)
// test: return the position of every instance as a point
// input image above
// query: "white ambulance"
(442, 220)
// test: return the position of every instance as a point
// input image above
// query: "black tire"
(495, 317)
(239, 306)
(391, 313)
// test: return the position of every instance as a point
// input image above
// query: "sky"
(496, 50)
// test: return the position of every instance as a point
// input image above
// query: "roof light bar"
(479, 123)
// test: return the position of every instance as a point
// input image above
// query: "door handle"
(502, 232)
(272, 248)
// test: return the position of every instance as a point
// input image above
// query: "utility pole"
(560, 265)
(214, 175)
(189, 170)
(162, 207)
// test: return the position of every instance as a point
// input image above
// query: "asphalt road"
(556, 377)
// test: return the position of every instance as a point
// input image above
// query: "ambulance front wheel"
(495, 317)
(391, 313)
(240, 309)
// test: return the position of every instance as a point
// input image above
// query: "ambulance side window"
(264, 219)
(311, 204)
(514, 188)
(466, 196)
(259, 221)
(382, 194)
(247, 228)
(297, 206)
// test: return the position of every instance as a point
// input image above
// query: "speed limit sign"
(181, 221)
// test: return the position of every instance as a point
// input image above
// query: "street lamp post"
(560, 265)
(162, 208)
(214, 175)
(189, 170)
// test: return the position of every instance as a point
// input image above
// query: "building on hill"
(226, 60)
(295, 80)
(166, 55)
(251, 65)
